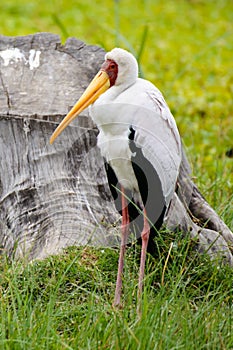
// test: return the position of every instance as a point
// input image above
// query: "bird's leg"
(124, 237)
(145, 238)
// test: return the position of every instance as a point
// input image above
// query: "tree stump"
(56, 196)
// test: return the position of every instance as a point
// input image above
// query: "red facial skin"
(111, 68)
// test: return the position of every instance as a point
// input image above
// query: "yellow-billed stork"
(140, 143)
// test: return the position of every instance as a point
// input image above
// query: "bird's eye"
(112, 66)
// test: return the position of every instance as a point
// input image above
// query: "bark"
(56, 196)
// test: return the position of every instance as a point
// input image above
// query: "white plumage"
(137, 103)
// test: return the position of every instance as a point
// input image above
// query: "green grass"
(64, 302)
(185, 48)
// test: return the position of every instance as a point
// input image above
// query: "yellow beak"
(98, 86)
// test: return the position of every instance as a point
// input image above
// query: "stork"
(140, 143)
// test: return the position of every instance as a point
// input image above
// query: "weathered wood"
(55, 196)
(191, 213)
(50, 197)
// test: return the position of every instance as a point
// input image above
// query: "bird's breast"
(115, 149)
(113, 145)
(113, 123)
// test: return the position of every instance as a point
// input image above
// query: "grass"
(64, 302)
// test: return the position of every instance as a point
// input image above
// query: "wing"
(157, 136)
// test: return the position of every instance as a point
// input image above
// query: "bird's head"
(120, 68)
(126, 71)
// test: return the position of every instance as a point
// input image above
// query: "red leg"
(124, 237)
(145, 238)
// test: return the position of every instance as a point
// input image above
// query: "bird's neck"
(116, 90)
